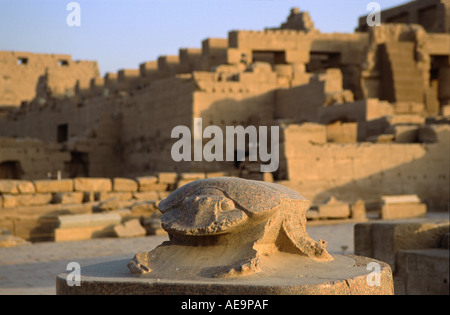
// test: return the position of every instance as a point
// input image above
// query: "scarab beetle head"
(206, 211)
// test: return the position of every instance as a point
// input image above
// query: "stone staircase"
(402, 80)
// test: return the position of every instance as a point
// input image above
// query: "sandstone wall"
(306, 102)
(147, 123)
(91, 127)
(364, 170)
(22, 72)
(30, 158)
(248, 100)
(214, 53)
(121, 133)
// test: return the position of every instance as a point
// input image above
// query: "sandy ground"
(32, 269)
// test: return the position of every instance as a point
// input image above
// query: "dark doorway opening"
(10, 170)
(271, 57)
(78, 165)
(320, 61)
(62, 133)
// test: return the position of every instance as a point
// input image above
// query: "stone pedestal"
(283, 274)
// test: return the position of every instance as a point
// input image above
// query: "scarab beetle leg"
(297, 235)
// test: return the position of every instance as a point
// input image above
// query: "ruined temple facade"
(26, 76)
(341, 100)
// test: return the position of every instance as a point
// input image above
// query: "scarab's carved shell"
(255, 196)
(217, 205)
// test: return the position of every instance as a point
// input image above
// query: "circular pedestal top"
(283, 274)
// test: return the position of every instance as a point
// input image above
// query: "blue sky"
(121, 34)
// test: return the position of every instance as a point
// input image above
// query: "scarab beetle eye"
(191, 198)
(226, 205)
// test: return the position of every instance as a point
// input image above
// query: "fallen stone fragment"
(130, 228)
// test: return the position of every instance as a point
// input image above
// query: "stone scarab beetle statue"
(222, 227)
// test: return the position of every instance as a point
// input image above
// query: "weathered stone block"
(148, 195)
(382, 240)
(400, 199)
(130, 228)
(334, 209)
(183, 182)
(68, 197)
(26, 187)
(167, 177)
(403, 210)
(143, 208)
(402, 206)
(92, 184)
(144, 180)
(83, 220)
(113, 204)
(124, 184)
(154, 187)
(83, 233)
(339, 132)
(149, 183)
(8, 187)
(48, 186)
(297, 135)
(104, 195)
(33, 199)
(192, 176)
(358, 210)
(422, 272)
(37, 223)
(123, 212)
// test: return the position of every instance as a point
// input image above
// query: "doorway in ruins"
(320, 61)
(10, 170)
(62, 133)
(78, 166)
